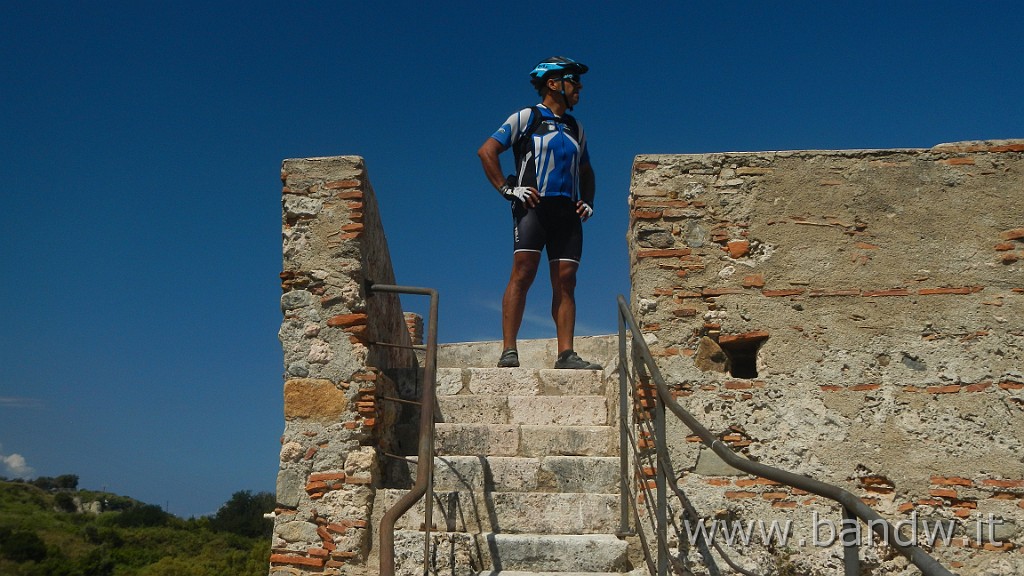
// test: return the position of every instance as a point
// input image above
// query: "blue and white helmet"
(556, 65)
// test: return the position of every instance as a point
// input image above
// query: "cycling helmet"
(556, 67)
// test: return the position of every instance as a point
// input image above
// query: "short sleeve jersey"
(551, 162)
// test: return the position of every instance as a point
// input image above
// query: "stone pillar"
(335, 422)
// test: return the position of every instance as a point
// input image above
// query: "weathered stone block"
(312, 399)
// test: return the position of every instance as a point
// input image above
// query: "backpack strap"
(522, 145)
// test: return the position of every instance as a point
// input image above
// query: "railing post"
(660, 478)
(851, 544)
(625, 420)
(425, 457)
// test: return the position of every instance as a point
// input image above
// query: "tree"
(243, 514)
(144, 515)
(65, 502)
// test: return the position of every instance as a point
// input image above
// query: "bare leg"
(563, 301)
(524, 270)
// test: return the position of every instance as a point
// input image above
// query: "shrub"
(23, 546)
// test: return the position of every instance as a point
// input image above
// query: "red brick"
(1011, 385)
(744, 482)
(338, 184)
(906, 507)
(959, 290)
(957, 162)
(784, 504)
(642, 166)
(893, 292)
(737, 494)
(943, 493)
(1003, 483)
(346, 320)
(1009, 257)
(753, 281)
(950, 389)
(318, 552)
(744, 337)
(647, 214)
(738, 248)
(787, 292)
(774, 495)
(354, 227)
(979, 387)
(316, 486)
(296, 560)
(1014, 234)
(1004, 246)
(865, 387)
(685, 312)
(820, 293)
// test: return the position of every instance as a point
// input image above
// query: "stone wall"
(335, 421)
(855, 316)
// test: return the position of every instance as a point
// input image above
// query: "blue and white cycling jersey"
(551, 162)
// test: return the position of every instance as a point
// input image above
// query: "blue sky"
(143, 141)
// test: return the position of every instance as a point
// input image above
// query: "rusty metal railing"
(424, 485)
(853, 509)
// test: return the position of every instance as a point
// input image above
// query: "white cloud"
(15, 402)
(15, 466)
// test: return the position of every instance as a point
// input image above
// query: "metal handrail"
(853, 507)
(425, 460)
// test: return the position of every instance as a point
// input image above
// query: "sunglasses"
(572, 78)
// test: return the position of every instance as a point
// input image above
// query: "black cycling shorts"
(552, 224)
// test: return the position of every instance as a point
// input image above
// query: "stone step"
(512, 554)
(525, 440)
(538, 353)
(562, 553)
(522, 573)
(510, 512)
(530, 410)
(519, 382)
(592, 474)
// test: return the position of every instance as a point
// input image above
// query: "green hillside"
(50, 528)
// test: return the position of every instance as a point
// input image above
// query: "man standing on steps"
(552, 194)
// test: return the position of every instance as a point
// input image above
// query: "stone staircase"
(527, 470)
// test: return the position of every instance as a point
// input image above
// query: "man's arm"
(488, 154)
(585, 207)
